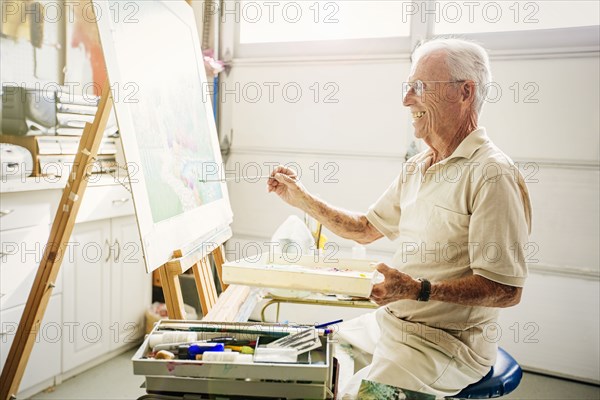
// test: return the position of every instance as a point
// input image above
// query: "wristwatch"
(425, 290)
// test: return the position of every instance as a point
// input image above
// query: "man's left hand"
(396, 286)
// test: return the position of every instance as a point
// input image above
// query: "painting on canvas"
(155, 69)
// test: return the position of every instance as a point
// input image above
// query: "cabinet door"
(44, 362)
(86, 290)
(21, 251)
(131, 286)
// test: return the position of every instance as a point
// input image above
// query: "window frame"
(539, 42)
(321, 48)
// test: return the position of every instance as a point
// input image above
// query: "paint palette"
(312, 273)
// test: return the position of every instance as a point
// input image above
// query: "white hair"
(466, 60)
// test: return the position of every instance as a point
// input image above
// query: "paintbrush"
(240, 178)
(302, 341)
(236, 178)
(292, 338)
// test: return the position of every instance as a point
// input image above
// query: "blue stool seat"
(503, 378)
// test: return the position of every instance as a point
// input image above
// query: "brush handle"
(236, 178)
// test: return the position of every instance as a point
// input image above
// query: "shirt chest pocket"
(447, 227)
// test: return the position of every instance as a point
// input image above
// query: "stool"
(503, 378)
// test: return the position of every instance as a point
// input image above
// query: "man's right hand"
(284, 181)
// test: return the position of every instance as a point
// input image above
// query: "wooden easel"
(223, 308)
(62, 227)
(196, 256)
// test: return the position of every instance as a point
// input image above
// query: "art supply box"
(311, 376)
(321, 274)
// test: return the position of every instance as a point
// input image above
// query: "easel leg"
(172, 292)
(218, 255)
(62, 227)
(200, 279)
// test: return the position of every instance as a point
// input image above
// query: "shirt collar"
(468, 146)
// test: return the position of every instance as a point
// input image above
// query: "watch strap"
(425, 290)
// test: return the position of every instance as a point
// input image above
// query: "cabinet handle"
(118, 250)
(109, 250)
(6, 212)
(120, 201)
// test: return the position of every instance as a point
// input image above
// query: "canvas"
(155, 69)
(315, 273)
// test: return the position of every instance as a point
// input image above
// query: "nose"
(409, 97)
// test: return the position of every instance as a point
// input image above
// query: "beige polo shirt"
(468, 214)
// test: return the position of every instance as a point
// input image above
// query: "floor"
(114, 380)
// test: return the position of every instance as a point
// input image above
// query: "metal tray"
(311, 377)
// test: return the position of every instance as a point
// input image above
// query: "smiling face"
(443, 111)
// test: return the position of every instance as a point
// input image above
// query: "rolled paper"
(171, 337)
(229, 356)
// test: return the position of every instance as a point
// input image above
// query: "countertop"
(52, 182)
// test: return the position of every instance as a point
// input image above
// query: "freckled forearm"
(475, 291)
(346, 224)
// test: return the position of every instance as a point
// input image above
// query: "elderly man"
(461, 213)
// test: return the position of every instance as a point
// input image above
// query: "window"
(318, 27)
(506, 16)
(311, 20)
(393, 27)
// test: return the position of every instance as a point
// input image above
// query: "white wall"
(364, 137)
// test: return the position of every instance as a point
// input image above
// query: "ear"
(468, 91)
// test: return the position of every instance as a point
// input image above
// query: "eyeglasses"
(419, 86)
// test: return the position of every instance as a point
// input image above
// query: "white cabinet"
(86, 300)
(44, 362)
(20, 254)
(106, 289)
(101, 293)
(21, 209)
(24, 230)
(131, 286)
(104, 202)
